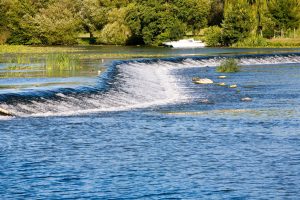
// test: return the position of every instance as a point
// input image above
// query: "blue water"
(131, 135)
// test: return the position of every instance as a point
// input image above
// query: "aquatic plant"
(229, 65)
(61, 61)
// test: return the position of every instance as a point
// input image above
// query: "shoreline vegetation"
(219, 23)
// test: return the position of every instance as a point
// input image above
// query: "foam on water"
(126, 85)
(135, 85)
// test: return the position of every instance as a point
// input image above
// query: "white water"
(137, 85)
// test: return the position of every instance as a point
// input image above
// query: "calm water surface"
(143, 130)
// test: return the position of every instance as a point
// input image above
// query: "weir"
(125, 85)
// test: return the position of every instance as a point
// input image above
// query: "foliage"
(193, 12)
(216, 13)
(57, 24)
(5, 6)
(252, 41)
(156, 23)
(115, 33)
(213, 36)
(237, 23)
(92, 16)
(285, 13)
(151, 22)
(229, 65)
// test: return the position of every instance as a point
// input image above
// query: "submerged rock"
(4, 112)
(222, 84)
(198, 80)
(206, 101)
(246, 99)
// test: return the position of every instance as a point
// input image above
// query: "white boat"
(185, 43)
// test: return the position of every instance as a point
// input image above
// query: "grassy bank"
(36, 49)
(78, 51)
(284, 42)
(259, 42)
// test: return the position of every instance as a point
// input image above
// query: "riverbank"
(271, 43)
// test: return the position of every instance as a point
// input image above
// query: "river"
(139, 128)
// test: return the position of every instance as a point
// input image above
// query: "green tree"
(116, 31)
(285, 14)
(213, 36)
(92, 15)
(58, 23)
(194, 13)
(157, 21)
(238, 21)
(216, 13)
(17, 22)
(5, 7)
(134, 20)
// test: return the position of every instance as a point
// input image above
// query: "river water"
(141, 129)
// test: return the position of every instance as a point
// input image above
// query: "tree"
(5, 19)
(213, 36)
(133, 19)
(285, 14)
(92, 15)
(21, 30)
(116, 31)
(238, 21)
(57, 24)
(216, 13)
(193, 12)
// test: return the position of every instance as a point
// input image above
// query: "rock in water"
(4, 112)
(222, 77)
(206, 101)
(233, 86)
(246, 99)
(202, 80)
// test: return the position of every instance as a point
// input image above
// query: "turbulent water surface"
(142, 130)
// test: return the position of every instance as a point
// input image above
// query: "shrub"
(228, 66)
(213, 36)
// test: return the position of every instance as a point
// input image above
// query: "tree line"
(149, 22)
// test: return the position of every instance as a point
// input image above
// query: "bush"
(213, 36)
(229, 66)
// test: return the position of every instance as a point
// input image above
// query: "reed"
(61, 61)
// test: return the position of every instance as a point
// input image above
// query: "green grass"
(260, 42)
(36, 49)
(284, 42)
(229, 65)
